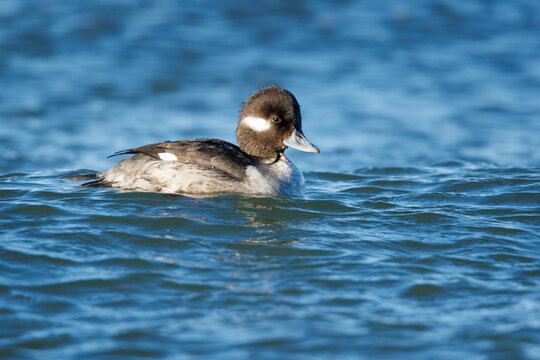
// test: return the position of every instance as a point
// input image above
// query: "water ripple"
(394, 251)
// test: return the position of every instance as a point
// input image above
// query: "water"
(418, 237)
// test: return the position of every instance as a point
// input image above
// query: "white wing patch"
(256, 123)
(167, 157)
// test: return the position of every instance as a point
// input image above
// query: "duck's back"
(142, 172)
(187, 166)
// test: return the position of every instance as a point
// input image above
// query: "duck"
(269, 122)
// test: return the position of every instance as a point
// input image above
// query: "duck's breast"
(280, 178)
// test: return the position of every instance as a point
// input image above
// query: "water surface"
(418, 237)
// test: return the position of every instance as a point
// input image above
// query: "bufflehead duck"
(269, 122)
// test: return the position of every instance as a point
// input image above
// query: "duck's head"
(270, 121)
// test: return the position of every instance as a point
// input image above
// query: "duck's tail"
(98, 180)
(82, 176)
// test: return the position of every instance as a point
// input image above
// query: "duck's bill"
(299, 142)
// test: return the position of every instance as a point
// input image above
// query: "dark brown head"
(270, 121)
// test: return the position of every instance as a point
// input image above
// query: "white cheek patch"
(256, 123)
(167, 157)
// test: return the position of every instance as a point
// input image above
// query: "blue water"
(418, 238)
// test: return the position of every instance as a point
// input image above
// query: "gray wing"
(211, 153)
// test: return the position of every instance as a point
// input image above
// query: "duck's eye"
(276, 119)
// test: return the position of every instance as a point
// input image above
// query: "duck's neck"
(270, 161)
(251, 146)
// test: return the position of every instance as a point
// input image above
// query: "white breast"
(280, 178)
